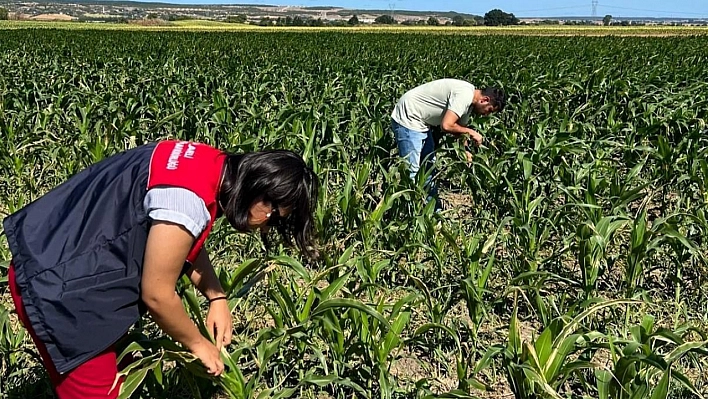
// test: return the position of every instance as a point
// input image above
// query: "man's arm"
(450, 124)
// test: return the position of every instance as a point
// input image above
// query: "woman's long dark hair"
(280, 177)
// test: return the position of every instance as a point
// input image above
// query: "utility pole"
(594, 8)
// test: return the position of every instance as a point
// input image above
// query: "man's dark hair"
(496, 97)
(280, 177)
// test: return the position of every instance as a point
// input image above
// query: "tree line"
(494, 17)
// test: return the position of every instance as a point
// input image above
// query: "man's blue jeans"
(418, 148)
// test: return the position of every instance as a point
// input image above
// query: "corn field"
(570, 261)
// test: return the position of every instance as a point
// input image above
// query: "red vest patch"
(194, 166)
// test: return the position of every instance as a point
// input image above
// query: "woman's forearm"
(204, 277)
(170, 315)
(162, 267)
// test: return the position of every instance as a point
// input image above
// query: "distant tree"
(315, 22)
(237, 19)
(174, 17)
(458, 20)
(420, 22)
(298, 21)
(3, 13)
(432, 21)
(585, 22)
(265, 21)
(385, 20)
(354, 20)
(498, 17)
(606, 21)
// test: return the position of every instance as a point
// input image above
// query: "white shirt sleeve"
(177, 205)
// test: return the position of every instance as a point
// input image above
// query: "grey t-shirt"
(425, 105)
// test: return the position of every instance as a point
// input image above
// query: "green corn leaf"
(240, 274)
(683, 380)
(697, 346)
(661, 391)
(132, 382)
(294, 264)
(604, 380)
(329, 304)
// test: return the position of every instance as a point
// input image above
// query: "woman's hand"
(210, 356)
(219, 322)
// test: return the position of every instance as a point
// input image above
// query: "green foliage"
(237, 19)
(540, 367)
(385, 20)
(497, 17)
(648, 356)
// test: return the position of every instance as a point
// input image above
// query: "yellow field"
(204, 25)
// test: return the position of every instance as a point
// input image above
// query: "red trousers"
(91, 380)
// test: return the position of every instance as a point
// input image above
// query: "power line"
(656, 11)
(594, 8)
(551, 9)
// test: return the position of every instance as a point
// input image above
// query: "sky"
(520, 8)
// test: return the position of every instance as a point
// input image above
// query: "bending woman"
(93, 253)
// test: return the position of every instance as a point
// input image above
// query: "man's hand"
(478, 139)
(210, 356)
(450, 124)
(219, 323)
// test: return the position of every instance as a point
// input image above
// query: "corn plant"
(539, 368)
(649, 355)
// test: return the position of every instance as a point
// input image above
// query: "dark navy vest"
(78, 254)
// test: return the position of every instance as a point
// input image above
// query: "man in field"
(446, 104)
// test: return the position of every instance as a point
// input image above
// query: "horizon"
(692, 9)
